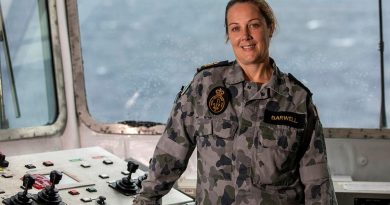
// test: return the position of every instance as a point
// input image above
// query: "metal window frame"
(57, 128)
(79, 84)
(104, 128)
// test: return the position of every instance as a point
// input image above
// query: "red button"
(41, 182)
(73, 192)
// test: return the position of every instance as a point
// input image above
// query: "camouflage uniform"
(256, 144)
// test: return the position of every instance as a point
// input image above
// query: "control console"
(73, 177)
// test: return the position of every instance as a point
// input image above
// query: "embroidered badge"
(285, 118)
(218, 100)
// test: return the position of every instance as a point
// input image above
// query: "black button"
(30, 166)
(85, 165)
(107, 161)
(103, 176)
(86, 199)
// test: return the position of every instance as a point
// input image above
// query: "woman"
(258, 136)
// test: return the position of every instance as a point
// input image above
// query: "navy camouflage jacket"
(256, 144)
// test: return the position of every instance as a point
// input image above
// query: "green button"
(91, 189)
(75, 160)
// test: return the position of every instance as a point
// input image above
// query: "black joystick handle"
(3, 162)
(55, 178)
(127, 185)
(132, 168)
(28, 182)
(101, 200)
(140, 179)
(49, 195)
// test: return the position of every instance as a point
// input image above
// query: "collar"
(276, 84)
(235, 75)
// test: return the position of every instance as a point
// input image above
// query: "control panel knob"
(101, 200)
(3, 163)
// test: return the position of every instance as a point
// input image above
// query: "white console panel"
(75, 177)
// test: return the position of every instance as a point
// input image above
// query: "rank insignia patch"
(218, 100)
(284, 118)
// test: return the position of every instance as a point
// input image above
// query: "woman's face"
(248, 33)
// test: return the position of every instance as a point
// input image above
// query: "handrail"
(9, 65)
(382, 119)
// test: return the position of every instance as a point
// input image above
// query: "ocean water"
(137, 54)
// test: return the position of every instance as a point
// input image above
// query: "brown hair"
(264, 8)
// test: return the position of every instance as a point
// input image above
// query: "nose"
(246, 35)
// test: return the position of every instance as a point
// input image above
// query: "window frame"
(114, 128)
(59, 124)
(79, 84)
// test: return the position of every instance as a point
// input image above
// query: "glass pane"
(332, 46)
(144, 52)
(137, 54)
(27, 79)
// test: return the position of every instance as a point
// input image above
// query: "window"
(332, 46)
(137, 54)
(28, 95)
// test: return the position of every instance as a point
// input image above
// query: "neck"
(258, 73)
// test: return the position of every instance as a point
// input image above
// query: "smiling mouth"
(248, 47)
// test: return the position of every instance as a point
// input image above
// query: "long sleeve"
(170, 157)
(314, 171)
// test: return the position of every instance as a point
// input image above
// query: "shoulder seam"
(296, 81)
(213, 65)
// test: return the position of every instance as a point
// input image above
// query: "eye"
(254, 25)
(234, 29)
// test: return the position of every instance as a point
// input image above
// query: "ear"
(227, 39)
(271, 32)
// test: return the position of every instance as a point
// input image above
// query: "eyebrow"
(231, 24)
(248, 21)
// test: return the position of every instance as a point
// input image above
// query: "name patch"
(218, 100)
(285, 118)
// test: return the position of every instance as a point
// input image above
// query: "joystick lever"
(3, 163)
(49, 195)
(127, 185)
(22, 198)
(140, 179)
(28, 182)
(132, 168)
(55, 178)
